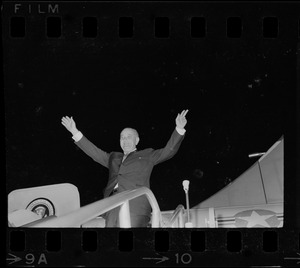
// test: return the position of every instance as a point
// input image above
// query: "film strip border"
(148, 247)
(162, 20)
(91, 28)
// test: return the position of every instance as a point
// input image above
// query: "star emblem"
(256, 218)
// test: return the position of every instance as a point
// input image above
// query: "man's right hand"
(69, 124)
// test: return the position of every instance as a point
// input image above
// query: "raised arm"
(84, 144)
(174, 142)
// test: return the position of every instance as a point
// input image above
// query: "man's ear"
(137, 140)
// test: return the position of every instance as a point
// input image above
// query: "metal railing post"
(181, 221)
(177, 217)
(211, 216)
(124, 215)
(155, 218)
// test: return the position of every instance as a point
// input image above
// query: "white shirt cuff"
(181, 131)
(77, 136)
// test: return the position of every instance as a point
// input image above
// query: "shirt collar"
(130, 152)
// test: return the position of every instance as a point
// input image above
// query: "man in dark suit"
(131, 169)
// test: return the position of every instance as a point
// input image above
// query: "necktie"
(124, 157)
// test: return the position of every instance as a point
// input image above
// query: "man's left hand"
(181, 120)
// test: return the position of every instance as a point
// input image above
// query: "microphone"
(186, 184)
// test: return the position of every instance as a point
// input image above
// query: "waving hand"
(69, 124)
(181, 120)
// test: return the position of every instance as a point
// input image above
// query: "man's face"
(128, 140)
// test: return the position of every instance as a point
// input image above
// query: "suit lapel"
(129, 156)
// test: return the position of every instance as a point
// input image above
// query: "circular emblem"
(256, 218)
(42, 207)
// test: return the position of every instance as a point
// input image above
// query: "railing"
(91, 211)
(177, 215)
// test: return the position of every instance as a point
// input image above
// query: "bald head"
(129, 138)
(130, 130)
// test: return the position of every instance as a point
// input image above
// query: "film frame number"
(184, 258)
(31, 258)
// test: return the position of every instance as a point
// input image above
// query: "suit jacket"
(135, 170)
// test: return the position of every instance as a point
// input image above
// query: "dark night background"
(237, 91)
